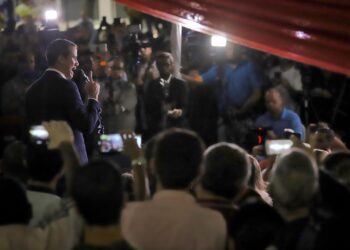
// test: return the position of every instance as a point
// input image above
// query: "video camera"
(261, 133)
(136, 40)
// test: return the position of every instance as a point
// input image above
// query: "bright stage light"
(218, 41)
(51, 15)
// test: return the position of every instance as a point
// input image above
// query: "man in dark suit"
(165, 97)
(54, 96)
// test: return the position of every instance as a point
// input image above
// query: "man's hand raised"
(131, 149)
(59, 132)
(92, 88)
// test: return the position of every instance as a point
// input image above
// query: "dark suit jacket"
(157, 102)
(52, 97)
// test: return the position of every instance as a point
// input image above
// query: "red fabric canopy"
(315, 32)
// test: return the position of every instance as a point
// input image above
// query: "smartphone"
(275, 147)
(109, 143)
(38, 134)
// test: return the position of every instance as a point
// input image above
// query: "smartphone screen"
(38, 134)
(275, 147)
(114, 143)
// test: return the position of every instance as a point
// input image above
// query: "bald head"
(274, 102)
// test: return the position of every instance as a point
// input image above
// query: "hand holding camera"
(51, 134)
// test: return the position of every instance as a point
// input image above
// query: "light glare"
(51, 15)
(218, 41)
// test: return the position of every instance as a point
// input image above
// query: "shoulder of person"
(290, 113)
(135, 210)
(210, 213)
(248, 65)
(154, 82)
(53, 78)
(178, 81)
(128, 85)
(262, 117)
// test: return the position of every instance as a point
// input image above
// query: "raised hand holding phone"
(131, 148)
(138, 162)
(276, 147)
(59, 132)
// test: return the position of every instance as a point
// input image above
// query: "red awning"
(315, 32)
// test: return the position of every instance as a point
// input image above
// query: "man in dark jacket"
(54, 96)
(165, 98)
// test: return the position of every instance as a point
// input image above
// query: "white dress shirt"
(173, 220)
(57, 71)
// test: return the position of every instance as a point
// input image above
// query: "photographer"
(321, 136)
(145, 71)
(278, 117)
(119, 99)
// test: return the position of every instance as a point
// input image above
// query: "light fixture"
(51, 15)
(218, 41)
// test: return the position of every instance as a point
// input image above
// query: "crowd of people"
(202, 179)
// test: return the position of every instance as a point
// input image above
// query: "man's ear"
(60, 59)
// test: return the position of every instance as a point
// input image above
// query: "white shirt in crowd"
(173, 220)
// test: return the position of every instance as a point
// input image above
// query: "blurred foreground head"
(294, 181)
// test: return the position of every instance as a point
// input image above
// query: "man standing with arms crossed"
(54, 96)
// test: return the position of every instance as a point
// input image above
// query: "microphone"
(85, 77)
(80, 76)
(81, 79)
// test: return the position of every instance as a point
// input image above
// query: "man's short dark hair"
(178, 155)
(56, 48)
(338, 165)
(164, 55)
(274, 90)
(98, 193)
(15, 208)
(336, 158)
(226, 169)
(43, 164)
